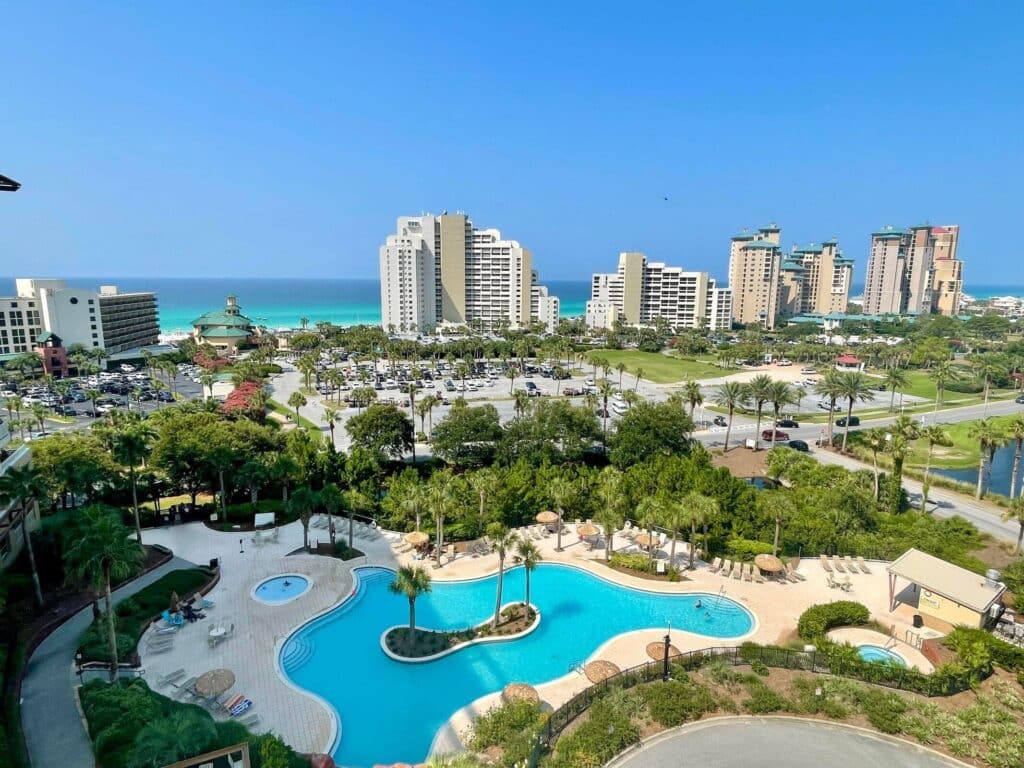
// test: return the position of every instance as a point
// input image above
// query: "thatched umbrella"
(520, 692)
(587, 529)
(646, 540)
(547, 517)
(417, 538)
(599, 670)
(214, 682)
(657, 651)
(769, 563)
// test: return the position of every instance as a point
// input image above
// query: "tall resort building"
(755, 263)
(914, 271)
(106, 319)
(642, 291)
(441, 270)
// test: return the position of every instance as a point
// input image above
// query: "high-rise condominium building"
(766, 284)
(105, 319)
(913, 271)
(755, 263)
(441, 270)
(642, 291)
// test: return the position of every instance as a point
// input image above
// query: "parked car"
(799, 445)
(808, 371)
(165, 397)
(1019, 399)
(788, 423)
(825, 405)
(854, 421)
(65, 410)
(778, 435)
(719, 421)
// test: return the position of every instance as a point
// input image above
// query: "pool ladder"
(576, 666)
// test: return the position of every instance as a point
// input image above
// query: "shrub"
(817, 620)
(884, 710)
(965, 641)
(678, 701)
(511, 727)
(747, 549)
(597, 740)
(762, 698)
(634, 562)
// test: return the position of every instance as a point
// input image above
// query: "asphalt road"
(755, 742)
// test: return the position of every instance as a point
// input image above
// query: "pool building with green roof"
(226, 330)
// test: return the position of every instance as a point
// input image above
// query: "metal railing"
(818, 662)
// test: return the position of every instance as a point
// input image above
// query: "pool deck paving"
(309, 725)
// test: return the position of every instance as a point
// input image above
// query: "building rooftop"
(793, 266)
(811, 248)
(951, 581)
(761, 244)
(743, 236)
(890, 232)
(226, 333)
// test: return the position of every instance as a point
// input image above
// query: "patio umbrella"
(214, 682)
(769, 563)
(599, 670)
(520, 692)
(657, 651)
(417, 538)
(588, 529)
(547, 517)
(645, 540)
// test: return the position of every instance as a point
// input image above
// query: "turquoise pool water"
(389, 711)
(877, 653)
(281, 589)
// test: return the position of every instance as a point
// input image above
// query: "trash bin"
(918, 621)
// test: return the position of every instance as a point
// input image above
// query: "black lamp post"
(8, 185)
(668, 643)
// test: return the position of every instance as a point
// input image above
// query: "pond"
(1002, 466)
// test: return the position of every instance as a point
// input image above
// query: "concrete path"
(54, 732)
(745, 742)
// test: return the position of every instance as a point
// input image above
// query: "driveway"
(54, 732)
(747, 742)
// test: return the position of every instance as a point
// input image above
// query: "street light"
(8, 185)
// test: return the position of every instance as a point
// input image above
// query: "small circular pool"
(281, 589)
(880, 654)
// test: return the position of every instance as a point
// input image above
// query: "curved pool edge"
(467, 644)
(332, 714)
(310, 583)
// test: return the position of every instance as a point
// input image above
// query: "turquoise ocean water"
(281, 302)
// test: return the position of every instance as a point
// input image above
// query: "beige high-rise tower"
(913, 271)
(826, 278)
(755, 261)
(442, 270)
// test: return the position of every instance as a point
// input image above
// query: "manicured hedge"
(817, 620)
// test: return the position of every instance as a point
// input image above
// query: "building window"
(91, 301)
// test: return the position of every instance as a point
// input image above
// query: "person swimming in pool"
(287, 583)
(699, 604)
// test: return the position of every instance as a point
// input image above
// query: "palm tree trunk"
(223, 495)
(412, 614)
(981, 473)
(111, 628)
(1016, 468)
(135, 505)
(351, 529)
(757, 429)
(831, 419)
(846, 429)
(558, 541)
(728, 431)
(1020, 536)
(527, 604)
(874, 462)
(672, 551)
(440, 541)
(775, 541)
(693, 542)
(497, 602)
(892, 399)
(27, 537)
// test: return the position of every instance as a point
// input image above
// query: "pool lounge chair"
(170, 677)
(788, 574)
(848, 562)
(825, 566)
(185, 689)
(757, 575)
(838, 564)
(716, 565)
(737, 571)
(726, 568)
(749, 573)
(659, 568)
(863, 565)
(250, 721)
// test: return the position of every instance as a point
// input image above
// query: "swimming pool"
(281, 589)
(389, 711)
(880, 654)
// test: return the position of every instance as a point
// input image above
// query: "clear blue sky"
(283, 138)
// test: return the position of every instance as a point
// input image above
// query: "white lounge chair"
(659, 568)
(863, 565)
(838, 564)
(170, 677)
(726, 568)
(825, 566)
(716, 565)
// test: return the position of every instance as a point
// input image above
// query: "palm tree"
(101, 553)
(355, 501)
(1016, 513)
(511, 373)
(934, 434)
(693, 395)
(780, 395)
(170, 739)
(604, 389)
(331, 418)
(411, 581)
(1015, 431)
(611, 512)
(854, 386)
(875, 441)
(759, 391)
(131, 447)
(332, 501)
(675, 516)
(92, 395)
(829, 387)
(485, 483)
(730, 395)
(987, 367)
(297, 400)
(699, 509)
(943, 374)
(520, 402)
(502, 540)
(562, 492)
(639, 375)
(24, 486)
(207, 382)
(894, 378)
(301, 504)
(621, 368)
(440, 499)
(648, 513)
(902, 432)
(988, 434)
(529, 557)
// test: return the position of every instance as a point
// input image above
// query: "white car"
(807, 371)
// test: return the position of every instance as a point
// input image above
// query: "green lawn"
(659, 368)
(963, 454)
(308, 425)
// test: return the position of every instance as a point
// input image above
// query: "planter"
(458, 646)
